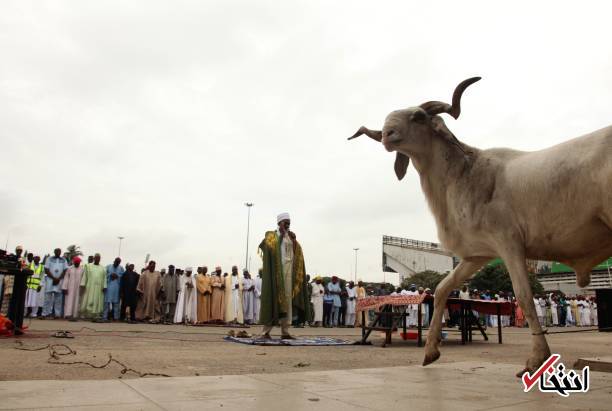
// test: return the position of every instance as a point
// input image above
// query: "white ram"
(553, 204)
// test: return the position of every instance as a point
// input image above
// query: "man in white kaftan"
(317, 300)
(187, 302)
(351, 302)
(233, 298)
(248, 298)
(257, 299)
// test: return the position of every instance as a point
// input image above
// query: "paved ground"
(199, 351)
(457, 386)
(210, 373)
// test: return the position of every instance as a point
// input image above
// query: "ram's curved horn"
(437, 107)
(373, 134)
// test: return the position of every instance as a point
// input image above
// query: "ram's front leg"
(516, 264)
(461, 273)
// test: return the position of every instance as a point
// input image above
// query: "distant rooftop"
(407, 242)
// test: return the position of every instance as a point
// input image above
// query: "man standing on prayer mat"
(283, 278)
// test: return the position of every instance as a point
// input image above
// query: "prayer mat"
(314, 341)
(222, 325)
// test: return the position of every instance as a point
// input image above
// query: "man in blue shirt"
(335, 291)
(114, 272)
(55, 269)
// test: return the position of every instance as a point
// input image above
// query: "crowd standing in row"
(553, 309)
(74, 290)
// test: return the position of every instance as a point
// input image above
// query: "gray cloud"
(158, 120)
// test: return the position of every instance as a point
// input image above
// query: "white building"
(407, 257)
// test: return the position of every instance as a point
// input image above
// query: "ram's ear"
(401, 165)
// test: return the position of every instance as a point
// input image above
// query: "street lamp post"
(120, 240)
(246, 258)
(355, 249)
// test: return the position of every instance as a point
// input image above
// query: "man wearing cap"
(170, 289)
(93, 286)
(187, 301)
(248, 297)
(149, 288)
(55, 268)
(233, 298)
(114, 272)
(335, 290)
(283, 278)
(317, 300)
(72, 290)
(217, 299)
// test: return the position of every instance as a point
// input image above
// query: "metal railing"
(407, 242)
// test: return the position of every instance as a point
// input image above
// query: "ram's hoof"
(431, 357)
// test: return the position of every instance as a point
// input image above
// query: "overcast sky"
(157, 121)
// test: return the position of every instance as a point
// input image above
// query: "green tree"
(495, 277)
(425, 279)
(72, 251)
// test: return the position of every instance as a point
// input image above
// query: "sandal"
(63, 334)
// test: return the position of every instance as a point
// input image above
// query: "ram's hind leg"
(462, 272)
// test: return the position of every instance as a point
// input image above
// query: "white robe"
(317, 301)
(187, 302)
(538, 307)
(413, 309)
(257, 303)
(248, 300)
(594, 314)
(350, 306)
(585, 313)
(569, 320)
(555, 316)
(233, 299)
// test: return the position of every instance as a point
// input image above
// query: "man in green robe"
(93, 286)
(284, 284)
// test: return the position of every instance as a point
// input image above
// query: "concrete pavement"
(457, 386)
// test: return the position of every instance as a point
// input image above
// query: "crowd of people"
(76, 290)
(553, 309)
(558, 310)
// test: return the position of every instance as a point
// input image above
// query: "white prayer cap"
(188, 268)
(282, 216)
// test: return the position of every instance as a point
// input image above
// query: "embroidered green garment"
(274, 300)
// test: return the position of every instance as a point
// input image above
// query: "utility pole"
(355, 279)
(246, 258)
(120, 240)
